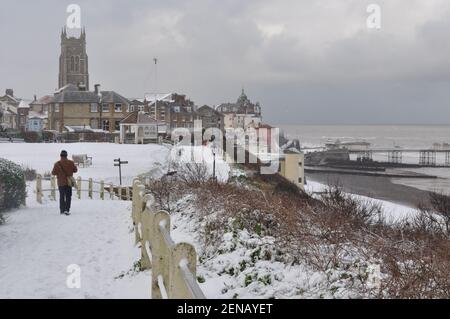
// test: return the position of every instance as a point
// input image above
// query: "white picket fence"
(173, 265)
(104, 191)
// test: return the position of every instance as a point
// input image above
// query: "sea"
(384, 136)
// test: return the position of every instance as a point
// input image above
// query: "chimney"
(35, 98)
(9, 92)
(97, 88)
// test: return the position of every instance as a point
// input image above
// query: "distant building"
(292, 167)
(210, 118)
(75, 107)
(22, 115)
(36, 122)
(171, 110)
(73, 61)
(8, 116)
(139, 128)
(242, 114)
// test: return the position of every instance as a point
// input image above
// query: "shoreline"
(378, 187)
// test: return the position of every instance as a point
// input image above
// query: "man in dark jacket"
(63, 170)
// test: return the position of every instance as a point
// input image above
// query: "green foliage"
(12, 185)
(201, 279)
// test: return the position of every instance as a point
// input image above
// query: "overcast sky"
(307, 62)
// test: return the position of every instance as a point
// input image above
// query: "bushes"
(32, 137)
(12, 185)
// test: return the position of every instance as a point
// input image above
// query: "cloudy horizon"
(306, 62)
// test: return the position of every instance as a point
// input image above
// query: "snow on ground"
(37, 245)
(141, 158)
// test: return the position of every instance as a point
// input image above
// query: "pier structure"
(395, 157)
(425, 157)
(364, 155)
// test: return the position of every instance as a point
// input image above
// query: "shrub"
(32, 137)
(12, 185)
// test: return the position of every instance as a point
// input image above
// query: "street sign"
(119, 164)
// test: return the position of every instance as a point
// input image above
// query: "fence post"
(39, 189)
(102, 190)
(90, 189)
(128, 194)
(160, 253)
(53, 188)
(111, 191)
(183, 256)
(119, 190)
(79, 187)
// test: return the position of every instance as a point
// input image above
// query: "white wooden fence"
(105, 192)
(173, 265)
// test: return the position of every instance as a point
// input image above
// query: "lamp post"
(156, 94)
(213, 148)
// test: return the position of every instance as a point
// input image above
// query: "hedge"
(12, 185)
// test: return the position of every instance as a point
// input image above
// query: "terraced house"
(75, 108)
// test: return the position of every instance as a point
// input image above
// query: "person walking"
(64, 170)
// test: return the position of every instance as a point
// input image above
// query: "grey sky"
(305, 61)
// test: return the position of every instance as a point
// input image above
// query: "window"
(77, 64)
(131, 108)
(94, 108)
(300, 164)
(117, 126)
(300, 180)
(118, 108)
(57, 108)
(105, 107)
(141, 108)
(105, 125)
(72, 63)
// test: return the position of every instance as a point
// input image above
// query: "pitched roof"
(138, 118)
(113, 97)
(47, 99)
(208, 108)
(76, 97)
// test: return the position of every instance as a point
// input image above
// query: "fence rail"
(173, 265)
(109, 191)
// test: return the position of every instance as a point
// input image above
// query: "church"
(73, 61)
(74, 107)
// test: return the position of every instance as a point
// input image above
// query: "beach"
(375, 187)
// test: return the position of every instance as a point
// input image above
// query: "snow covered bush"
(12, 185)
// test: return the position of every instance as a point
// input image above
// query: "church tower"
(73, 61)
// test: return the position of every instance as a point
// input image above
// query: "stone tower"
(73, 61)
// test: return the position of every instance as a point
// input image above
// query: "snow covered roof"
(23, 105)
(47, 99)
(166, 97)
(138, 118)
(36, 115)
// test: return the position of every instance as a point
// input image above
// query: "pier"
(425, 157)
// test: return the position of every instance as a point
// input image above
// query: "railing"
(173, 265)
(110, 191)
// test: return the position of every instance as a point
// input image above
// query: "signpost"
(119, 163)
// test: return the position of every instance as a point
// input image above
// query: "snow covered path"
(37, 245)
